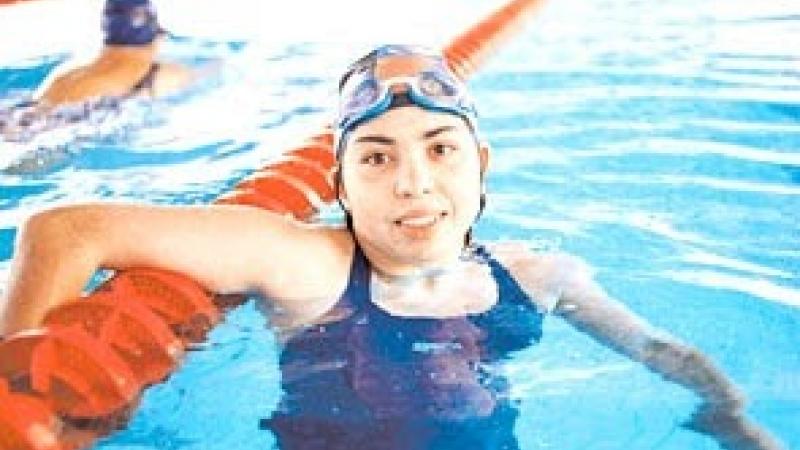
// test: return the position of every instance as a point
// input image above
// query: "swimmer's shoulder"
(101, 79)
(170, 78)
(545, 275)
(303, 296)
(316, 272)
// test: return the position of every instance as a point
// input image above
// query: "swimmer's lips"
(420, 218)
(420, 224)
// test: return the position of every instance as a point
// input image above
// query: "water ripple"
(757, 287)
(687, 148)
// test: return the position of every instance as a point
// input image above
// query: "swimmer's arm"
(81, 85)
(225, 248)
(564, 284)
(585, 305)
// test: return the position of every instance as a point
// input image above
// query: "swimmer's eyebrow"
(377, 139)
(385, 140)
(437, 131)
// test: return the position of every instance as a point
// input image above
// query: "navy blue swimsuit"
(365, 379)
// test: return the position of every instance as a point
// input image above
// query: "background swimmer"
(127, 66)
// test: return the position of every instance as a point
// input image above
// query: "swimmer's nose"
(414, 178)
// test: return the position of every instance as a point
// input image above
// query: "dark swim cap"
(130, 22)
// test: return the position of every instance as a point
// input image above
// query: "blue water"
(656, 140)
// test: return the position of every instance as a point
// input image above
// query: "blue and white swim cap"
(130, 22)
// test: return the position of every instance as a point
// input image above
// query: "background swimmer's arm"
(74, 65)
(584, 304)
(226, 248)
(81, 85)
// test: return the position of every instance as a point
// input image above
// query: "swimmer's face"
(411, 179)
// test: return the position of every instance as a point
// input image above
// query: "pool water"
(657, 140)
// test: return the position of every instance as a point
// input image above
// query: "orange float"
(181, 302)
(142, 338)
(26, 422)
(75, 374)
(251, 197)
(314, 178)
(94, 355)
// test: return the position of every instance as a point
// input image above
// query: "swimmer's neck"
(126, 54)
(391, 270)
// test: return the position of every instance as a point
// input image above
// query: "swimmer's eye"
(375, 159)
(441, 150)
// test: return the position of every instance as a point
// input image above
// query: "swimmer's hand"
(728, 425)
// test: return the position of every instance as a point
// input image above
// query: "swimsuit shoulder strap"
(146, 83)
(514, 322)
(508, 288)
(357, 292)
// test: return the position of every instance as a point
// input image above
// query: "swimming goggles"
(363, 96)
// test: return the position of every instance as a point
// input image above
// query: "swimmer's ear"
(484, 152)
